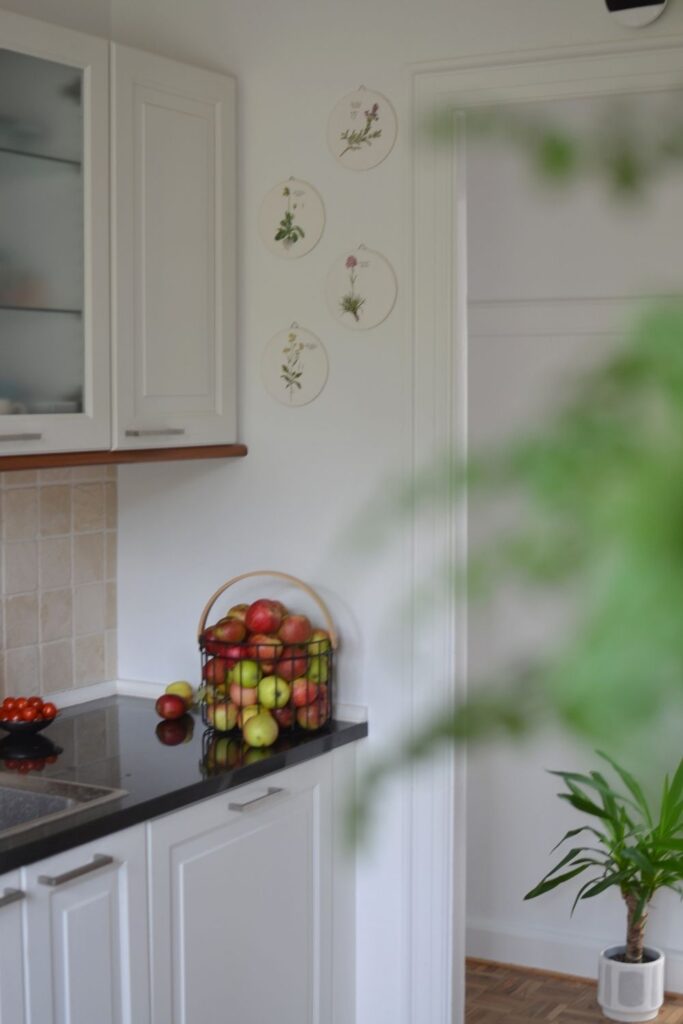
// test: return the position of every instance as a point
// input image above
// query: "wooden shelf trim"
(121, 456)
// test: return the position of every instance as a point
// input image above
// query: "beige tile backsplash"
(58, 579)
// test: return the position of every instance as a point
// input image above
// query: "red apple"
(292, 664)
(230, 631)
(281, 608)
(170, 705)
(265, 648)
(314, 715)
(243, 696)
(304, 692)
(284, 717)
(263, 616)
(238, 611)
(295, 629)
(173, 732)
(215, 672)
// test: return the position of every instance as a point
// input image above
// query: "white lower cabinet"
(240, 898)
(12, 898)
(86, 934)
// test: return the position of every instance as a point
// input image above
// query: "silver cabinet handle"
(21, 437)
(250, 805)
(162, 432)
(98, 861)
(11, 896)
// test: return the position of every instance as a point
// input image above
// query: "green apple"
(318, 669)
(246, 713)
(261, 730)
(274, 692)
(223, 716)
(182, 689)
(245, 673)
(319, 642)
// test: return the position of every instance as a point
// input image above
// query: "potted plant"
(639, 850)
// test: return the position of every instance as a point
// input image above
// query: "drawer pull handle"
(250, 805)
(98, 861)
(21, 437)
(162, 432)
(11, 896)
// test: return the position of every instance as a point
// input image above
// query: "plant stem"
(635, 930)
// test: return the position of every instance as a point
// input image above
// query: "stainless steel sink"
(25, 803)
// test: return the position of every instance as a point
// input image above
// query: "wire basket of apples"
(266, 668)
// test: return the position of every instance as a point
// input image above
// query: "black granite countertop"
(115, 742)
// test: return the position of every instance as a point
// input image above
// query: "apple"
(295, 629)
(284, 717)
(274, 692)
(223, 716)
(238, 611)
(252, 755)
(263, 616)
(243, 696)
(184, 690)
(215, 672)
(170, 706)
(246, 713)
(261, 730)
(292, 664)
(304, 691)
(214, 694)
(318, 668)
(226, 752)
(319, 642)
(175, 731)
(233, 652)
(245, 673)
(265, 648)
(230, 631)
(313, 715)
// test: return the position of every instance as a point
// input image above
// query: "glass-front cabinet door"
(54, 239)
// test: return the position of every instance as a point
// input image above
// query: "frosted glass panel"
(41, 236)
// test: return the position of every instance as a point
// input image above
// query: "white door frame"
(437, 812)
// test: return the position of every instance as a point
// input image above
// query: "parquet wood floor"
(510, 995)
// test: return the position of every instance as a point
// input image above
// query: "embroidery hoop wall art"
(294, 366)
(292, 218)
(361, 288)
(362, 129)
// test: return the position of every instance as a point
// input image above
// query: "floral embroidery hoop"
(362, 129)
(361, 288)
(294, 366)
(292, 218)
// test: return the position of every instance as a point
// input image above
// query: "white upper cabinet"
(173, 222)
(54, 239)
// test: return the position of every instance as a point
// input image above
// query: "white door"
(54, 239)
(12, 899)
(173, 165)
(87, 952)
(240, 898)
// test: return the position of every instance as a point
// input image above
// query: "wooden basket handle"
(334, 638)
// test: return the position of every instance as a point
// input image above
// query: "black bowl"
(23, 748)
(26, 728)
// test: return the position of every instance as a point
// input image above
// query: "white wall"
(184, 528)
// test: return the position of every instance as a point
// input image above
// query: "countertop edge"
(116, 820)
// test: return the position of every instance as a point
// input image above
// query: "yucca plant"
(639, 850)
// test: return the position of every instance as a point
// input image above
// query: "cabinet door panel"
(54, 239)
(240, 909)
(173, 158)
(88, 936)
(11, 951)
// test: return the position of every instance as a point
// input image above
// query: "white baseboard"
(553, 950)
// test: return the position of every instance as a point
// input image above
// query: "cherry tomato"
(24, 767)
(28, 713)
(51, 759)
(35, 702)
(15, 716)
(40, 764)
(4, 715)
(8, 703)
(20, 703)
(49, 710)
(11, 763)
(39, 716)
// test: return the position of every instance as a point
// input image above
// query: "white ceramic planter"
(630, 992)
